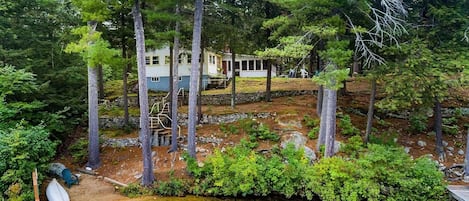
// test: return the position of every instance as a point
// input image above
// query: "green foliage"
(333, 78)
(229, 129)
(93, 49)
(377, 173)
(79, 150)
(135, 190)
(385, 138)
(418, 122)
(313, 133)
(22, 149)
(262, 132)
(173, 187)
(346, 126)
(353, 146)
(450, 126)
(310, 122)
(382, 173)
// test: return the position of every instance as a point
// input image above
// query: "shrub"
(418, 122)
(313, 133)
(22, 149)
(262, 132)
(353, 146)
(347, 127)
(311, 122)
(134, 190)
(173, 187)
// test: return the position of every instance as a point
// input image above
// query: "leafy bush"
(378, 173)
(262, 132)
(311, 122)
(22, 149)
(313, 133)
(353, 146)
(450, 126)
(134, 190)
(173, 187)
(347, 127)
(418, 122)
(79, 150)
(229, 129)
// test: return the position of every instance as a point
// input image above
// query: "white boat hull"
(55, 192)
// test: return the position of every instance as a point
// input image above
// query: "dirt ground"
(125, 165)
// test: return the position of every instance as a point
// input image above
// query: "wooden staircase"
(160, 120)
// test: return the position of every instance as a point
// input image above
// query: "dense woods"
(55, 56)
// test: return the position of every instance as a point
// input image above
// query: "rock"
(295, 137)
(337, 146)
(309, 153)
(450, 154)
(450, 148)
(460, 152)
(421, 143)
(407, 149)
(445, 143)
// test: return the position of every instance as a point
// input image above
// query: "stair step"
(165, 132)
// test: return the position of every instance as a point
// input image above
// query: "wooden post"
(35, 187)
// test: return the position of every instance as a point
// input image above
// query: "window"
(180, 58)
(147, 60)
(236, 66)
(155, 79)
(258, 65)
(156, 60)
(244, 65)
(229, 65)
(214, 60)
(167, 60)
(251, 64)
(189, 58)
(180, 78)
(210, 59)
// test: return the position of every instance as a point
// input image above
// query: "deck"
(459, 192)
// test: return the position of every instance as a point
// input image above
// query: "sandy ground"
(91, 188)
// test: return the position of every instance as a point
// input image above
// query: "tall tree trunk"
(319, 103)
(269, 81)
(170, 80)
(148, 177)
(201, 78)
(322, 126)
(233, 78)
(174, 94)
(355, 65)
(125, 74)
(93, 122)
(101, 82)
(438, 130)
(330, 122)
(371, 107)
(466, 159)
(196, 37)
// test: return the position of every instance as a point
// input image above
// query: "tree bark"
(171, 74)
(233, 78)
(322, 126)
(196, 37)
(466, 159)
(174, 94)
(438, 130)
(93, 122)
(101, 82)
(371, 108)
(148, 177)
(330, 122)
(201, 76)
(268, 97)
(124, 82)
(320, 98)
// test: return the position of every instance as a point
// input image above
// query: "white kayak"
(55, 192)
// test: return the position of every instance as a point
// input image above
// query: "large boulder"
(299, 140)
